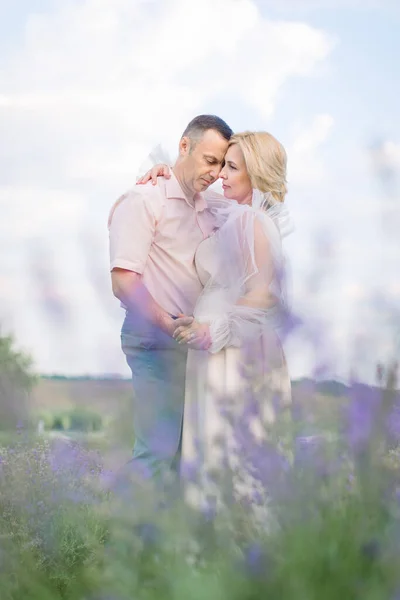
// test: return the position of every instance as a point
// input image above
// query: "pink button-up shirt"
(155, 231)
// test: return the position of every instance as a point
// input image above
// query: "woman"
(237, 382)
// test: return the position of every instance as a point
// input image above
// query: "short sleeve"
(132, 225)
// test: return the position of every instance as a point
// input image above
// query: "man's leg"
(158, 376)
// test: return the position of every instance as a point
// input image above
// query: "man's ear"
(184, 146)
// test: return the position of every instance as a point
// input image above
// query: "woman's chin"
(227, 193)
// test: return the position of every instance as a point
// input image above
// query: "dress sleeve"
(248, 256)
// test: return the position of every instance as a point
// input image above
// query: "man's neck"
(189, 193)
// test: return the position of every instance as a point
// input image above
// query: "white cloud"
(392, 152)
(305, 164)
(303, 5)
(93, 87)
(310, 139)
(386, 155)
(114, 76)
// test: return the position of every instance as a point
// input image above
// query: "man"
(154, 234)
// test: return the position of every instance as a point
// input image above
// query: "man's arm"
(132, 226)
(128, 287)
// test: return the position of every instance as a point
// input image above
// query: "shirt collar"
(174, 190)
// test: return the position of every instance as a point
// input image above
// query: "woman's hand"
(160, 170)
(196, 335)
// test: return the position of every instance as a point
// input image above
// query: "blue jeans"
(158, 366)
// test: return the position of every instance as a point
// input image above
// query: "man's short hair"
(202, 123)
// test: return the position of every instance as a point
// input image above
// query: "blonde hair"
(265, 160)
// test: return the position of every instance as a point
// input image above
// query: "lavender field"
(325, 524)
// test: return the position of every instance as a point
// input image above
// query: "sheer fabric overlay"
(244, 292)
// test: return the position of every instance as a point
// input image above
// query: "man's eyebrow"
(211, 157)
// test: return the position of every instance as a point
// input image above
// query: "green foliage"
(74, 419)
(16, 365)
(49, 529)
(83, 419)
(16, 381)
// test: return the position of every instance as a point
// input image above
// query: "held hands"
(195, 335)
(160, 170)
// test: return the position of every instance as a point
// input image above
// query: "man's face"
(203, 160)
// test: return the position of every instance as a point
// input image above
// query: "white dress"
(233, 390)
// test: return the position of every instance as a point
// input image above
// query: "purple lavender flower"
(393, 423)
(380, 373)
(363, 413)
(106, 478)
(262, 460)
(256, 560)
(209, 510)
(190, 471)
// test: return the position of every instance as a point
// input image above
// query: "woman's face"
(235, 179)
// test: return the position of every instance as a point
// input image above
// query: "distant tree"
(16, 382)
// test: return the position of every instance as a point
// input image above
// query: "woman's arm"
(244, 318)
(257, 290)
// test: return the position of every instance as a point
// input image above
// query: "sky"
(88, 88)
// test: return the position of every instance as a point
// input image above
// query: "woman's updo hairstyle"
(265, 160)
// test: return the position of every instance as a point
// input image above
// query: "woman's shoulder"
(216, 201)
(211, 194)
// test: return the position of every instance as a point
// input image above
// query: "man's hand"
(196, 335)
(160, 170)
(171, 325)
(128, 287)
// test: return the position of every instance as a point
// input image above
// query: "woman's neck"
(246, 199)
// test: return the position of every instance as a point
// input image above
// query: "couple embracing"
(200, 276)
